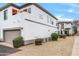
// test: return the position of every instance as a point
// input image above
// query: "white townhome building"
(30, 20)
(65, 27)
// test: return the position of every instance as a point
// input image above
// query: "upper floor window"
(29, 10)
(14, 11)
(47, 19)
(62, 25)
(52, 22)
(5, 14)
(40, 16)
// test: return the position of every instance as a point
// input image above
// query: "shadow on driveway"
(5, 50)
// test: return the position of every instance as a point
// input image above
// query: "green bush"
(18, 42)
(54, 36)
(38, 41)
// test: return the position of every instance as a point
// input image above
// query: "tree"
(75, 30)
(75, 26)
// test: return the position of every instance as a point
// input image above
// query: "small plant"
(38, 41)
(18, 42)
(54, 36)
(62, 36)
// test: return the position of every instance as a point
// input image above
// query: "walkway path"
(75, 51)
(62, 47)
(6, 44)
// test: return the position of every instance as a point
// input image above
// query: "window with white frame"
(5, 14)
(52, 22)
(40, 16)
(48, 19)
(29, 10)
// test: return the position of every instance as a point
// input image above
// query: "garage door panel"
(11, 35)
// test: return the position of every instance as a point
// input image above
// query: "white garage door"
(10, 35)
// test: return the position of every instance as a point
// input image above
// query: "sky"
(63, 11)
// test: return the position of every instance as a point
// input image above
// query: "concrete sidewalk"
(6, 44)
(75, 51)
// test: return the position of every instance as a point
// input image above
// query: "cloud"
(74, 11)
(62, 18)
(74, 4)
(65, 19)
(74, 7)
(70, 11)
(19, 4)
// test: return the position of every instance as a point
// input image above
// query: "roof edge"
(25, 5)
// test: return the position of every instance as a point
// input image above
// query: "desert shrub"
(54, 36)
(18, 42)
(38, 41)
(62, 36)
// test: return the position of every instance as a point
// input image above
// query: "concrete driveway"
(5, 50)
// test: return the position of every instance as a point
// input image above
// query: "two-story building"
(65, 27)
(76, 25)
(30, 21)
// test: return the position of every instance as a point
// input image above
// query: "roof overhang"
(25, 5)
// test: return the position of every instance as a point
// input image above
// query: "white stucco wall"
(30, 30)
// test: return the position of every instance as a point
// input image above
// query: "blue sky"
(63, 11)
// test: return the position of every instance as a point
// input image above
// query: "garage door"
(9, 35)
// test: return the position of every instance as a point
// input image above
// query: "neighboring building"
(76, 24)
(30, 21)
(65, 27)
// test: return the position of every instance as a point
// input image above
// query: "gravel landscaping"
(62, 47)
(5, 50)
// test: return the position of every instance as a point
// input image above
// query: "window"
(5, 14)
(47, 19)
(52, 22)
(14, 11)
(40, 16)
(62, 25)
(61, 31)
(29, 10)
